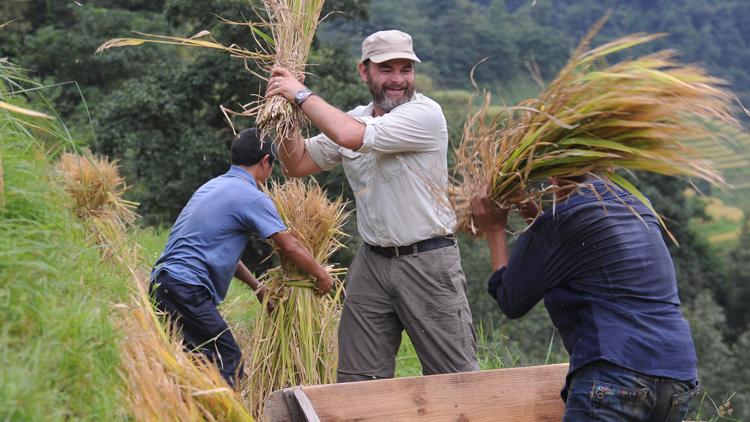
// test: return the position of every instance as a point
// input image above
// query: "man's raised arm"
(342, 128)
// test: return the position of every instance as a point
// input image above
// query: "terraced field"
(727, 210)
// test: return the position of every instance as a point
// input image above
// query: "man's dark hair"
(248, 148)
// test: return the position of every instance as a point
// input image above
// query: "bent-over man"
(203, 252)
(609, 285)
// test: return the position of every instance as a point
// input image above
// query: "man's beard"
(381, 99)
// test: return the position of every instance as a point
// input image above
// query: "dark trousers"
(194, 314)
(601, 391)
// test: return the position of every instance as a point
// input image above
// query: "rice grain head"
(163, 381)
(96, 189)
(296, 344)
(637, 114)
(293, 24)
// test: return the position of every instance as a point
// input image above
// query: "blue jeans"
(601, 391)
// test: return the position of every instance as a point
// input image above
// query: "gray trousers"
(424, 294)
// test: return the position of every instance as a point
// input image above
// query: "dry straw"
(296, 343)
(97, 191)
(594, 118)
(163, 381)
(292, 24)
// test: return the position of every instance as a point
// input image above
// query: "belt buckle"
(414, 250)
(395, 251)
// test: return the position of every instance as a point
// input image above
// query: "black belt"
(423, 246)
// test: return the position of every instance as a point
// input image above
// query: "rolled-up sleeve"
(323, 151)
(412, 127)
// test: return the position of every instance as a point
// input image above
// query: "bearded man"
(407, 274)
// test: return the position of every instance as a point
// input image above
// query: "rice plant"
(296, 343)
(593, 118)
(97, 191)
(163, 381)
(292, 24)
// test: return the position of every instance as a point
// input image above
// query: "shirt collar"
(237, 171)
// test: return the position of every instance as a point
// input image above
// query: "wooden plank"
(304, 404)
(275, 408)
(517, 394)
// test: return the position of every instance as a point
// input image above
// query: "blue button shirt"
(211, 232)
(608, 283)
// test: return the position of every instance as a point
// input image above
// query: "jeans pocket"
(680, 403)
(612, 402)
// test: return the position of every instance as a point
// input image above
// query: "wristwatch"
(301, 96)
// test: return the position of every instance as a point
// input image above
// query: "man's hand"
(486, 214)
(261, 292)
(529, 211)
(293, 250)
(323, 284)
(283, 83)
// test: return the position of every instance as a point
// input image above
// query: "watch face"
(301, 96)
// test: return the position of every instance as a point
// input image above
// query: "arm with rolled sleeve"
(323, 152)
(518, 286)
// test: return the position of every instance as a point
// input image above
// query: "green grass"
(491, 355)
(58, 349)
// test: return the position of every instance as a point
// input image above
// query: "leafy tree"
(737, 294)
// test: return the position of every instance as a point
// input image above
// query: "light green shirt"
(399, 176)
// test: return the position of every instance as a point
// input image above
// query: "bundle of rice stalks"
(296, 343)
(293, 24)
(476, 152)
(637, 114)
(97, 191)
(164, 382)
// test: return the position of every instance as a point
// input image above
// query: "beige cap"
(388, 45)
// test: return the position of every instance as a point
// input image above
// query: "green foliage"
(57, 344)
(717, 364)
(156, 110)
(737, 291)
(167, 151)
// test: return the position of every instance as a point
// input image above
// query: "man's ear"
(362, 71)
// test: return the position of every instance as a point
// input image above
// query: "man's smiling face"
(391, 82)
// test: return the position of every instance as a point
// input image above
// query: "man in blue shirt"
(203, 252)
(609, 286)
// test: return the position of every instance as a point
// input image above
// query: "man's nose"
(397, 78)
